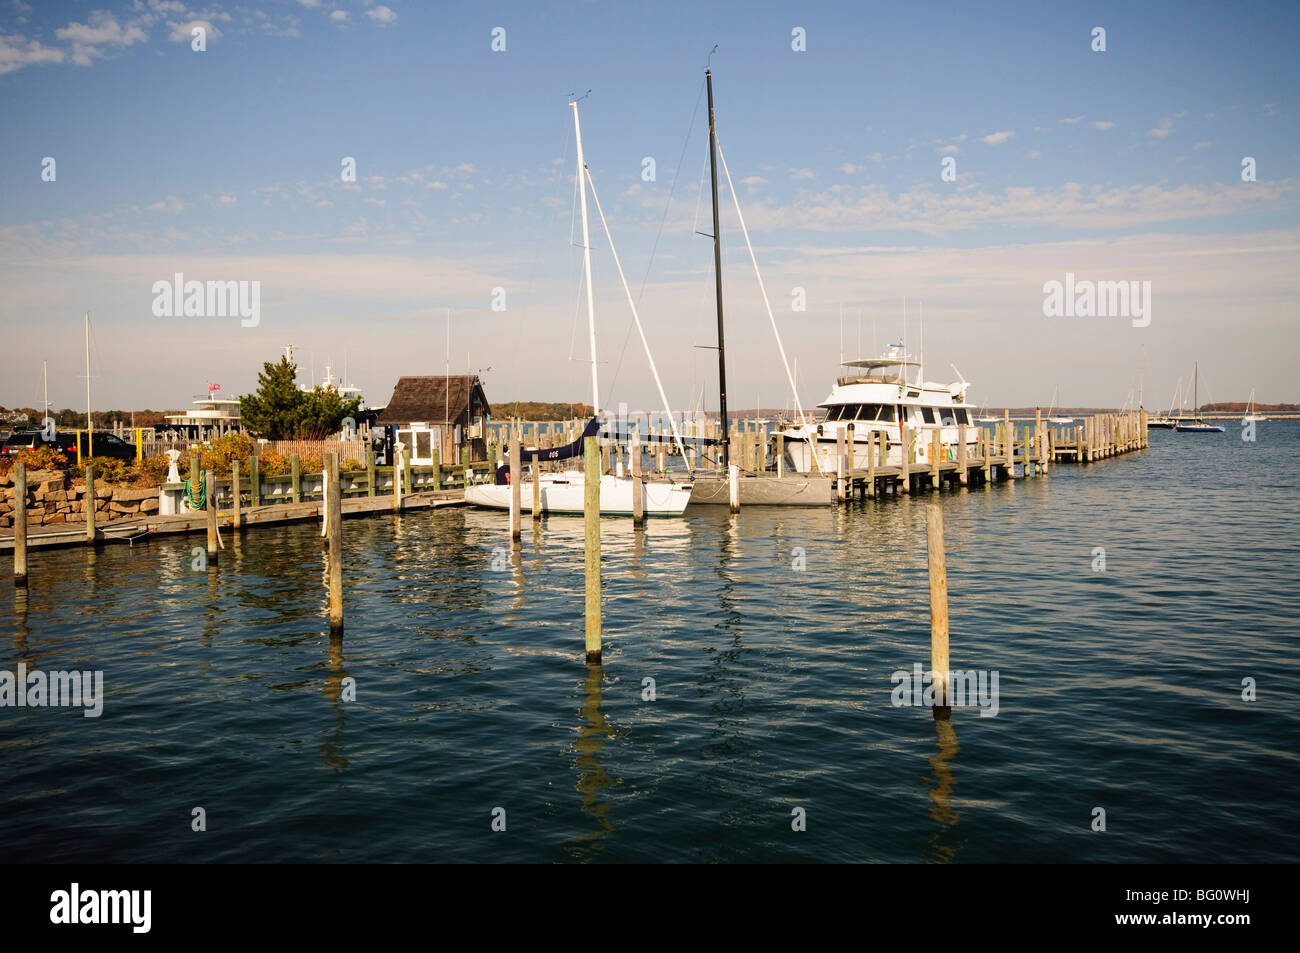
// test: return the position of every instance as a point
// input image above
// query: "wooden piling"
(210, 503)
(936, 452)
(591, 527)
(841, 488)
(733, 488)
(397, 476)
(516, 491)
(295, 478)
(254, 481)
(89, 504)
(370, 470)
(962, 476)
(638, 484)
(905, 453)
(780, 455)
(1009, 436)
(236, 507)
(334, 530)
(938, 571)
(537, 493)
(20, 524)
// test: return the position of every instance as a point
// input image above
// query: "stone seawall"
(53, 497)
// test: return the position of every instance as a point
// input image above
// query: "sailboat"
(1166, 420)
(1194, 423)
(565, 492)
(1057, 419)
(1250, 417)
(768, 491)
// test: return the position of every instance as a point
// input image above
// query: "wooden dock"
(144, 527)
(1008, 450)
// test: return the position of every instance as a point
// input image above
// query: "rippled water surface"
(1119, 689)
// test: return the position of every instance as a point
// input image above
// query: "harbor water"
(747, 675)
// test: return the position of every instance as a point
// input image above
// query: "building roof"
(431, 399)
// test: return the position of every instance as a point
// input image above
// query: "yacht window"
(927, 414)
(885, 412)
(962, 416)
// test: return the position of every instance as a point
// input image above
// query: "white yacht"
(875, 399)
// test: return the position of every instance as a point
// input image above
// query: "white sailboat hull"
(565, 493)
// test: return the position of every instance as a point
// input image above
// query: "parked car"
(105, 444)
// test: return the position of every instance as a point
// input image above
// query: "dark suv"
(106, 444)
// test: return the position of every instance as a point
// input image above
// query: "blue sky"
(225, 165)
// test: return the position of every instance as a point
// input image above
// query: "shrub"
(42, 458)
(108, 469)
(218, 455)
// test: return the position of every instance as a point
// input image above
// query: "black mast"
(717, 273)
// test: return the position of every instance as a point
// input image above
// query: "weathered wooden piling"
(537, 492)
(20, 524)
(397, 476)
(89, 504)
(295, 478)
(254, 481)
(591, 527)
(938, 571)
(516, 491)
(638, 484)
(210, 504)
(236, 505)
(370, 470)
(733, 487)
(334, 530)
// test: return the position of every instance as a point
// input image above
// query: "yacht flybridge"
(875, 397)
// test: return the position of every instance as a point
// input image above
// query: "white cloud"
(997, 138)
(1165, 128)
(102, 30)
(753, 181)
(184, 32)
(1202, 145)
(1033, 155)
(170, 204)
(382, 15)
(848, 168)
(17, 52)
(1103, 126)
(227, 199)
(339, 16)
(802, 174)
(949, 150)
(1072, 120)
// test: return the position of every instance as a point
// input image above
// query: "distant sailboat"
(1194, 423)
(1167, 420)
(1057, 419)
(1250, 417)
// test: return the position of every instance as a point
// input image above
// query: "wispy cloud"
(382, 15)
(997, 138)
(1103, 125)
(1165, 128)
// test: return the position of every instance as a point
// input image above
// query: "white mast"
(90, 423)
(586, 260)
(45, 378)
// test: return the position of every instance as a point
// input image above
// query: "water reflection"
(941, 811)
(593, 779)
(331, 748)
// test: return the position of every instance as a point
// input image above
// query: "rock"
(57, 496)
(149, 506)
(124, 494)
(52, 518)
(103, 492)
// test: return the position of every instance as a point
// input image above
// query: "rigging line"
(766, 303)
(672, 421)
(662, 222)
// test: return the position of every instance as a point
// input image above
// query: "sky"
(835, 120)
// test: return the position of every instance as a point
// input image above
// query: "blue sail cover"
(551, 453)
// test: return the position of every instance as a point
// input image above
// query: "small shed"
(454, 407)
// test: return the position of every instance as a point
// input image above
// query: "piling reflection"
(593, 779)
(941, 811)
(331, 748)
